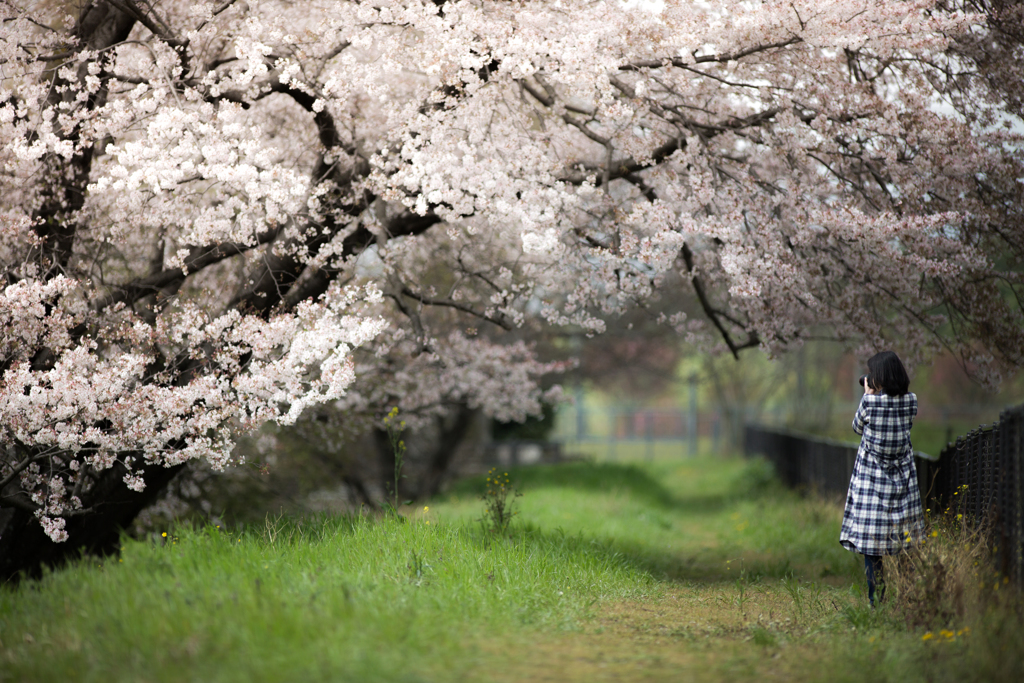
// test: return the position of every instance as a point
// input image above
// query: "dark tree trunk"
(454, 430)
(428, 466)
(100, 26)
(386, 466)
(25, 549)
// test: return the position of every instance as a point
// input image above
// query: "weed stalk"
(394, 430)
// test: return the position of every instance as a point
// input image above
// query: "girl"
(883, 506)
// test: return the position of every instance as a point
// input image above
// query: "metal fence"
(802, 460)
(981, 474)
(620, 429)
(983, 470)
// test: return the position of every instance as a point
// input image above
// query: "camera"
(863, 379)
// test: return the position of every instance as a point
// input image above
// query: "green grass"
(366, 599)
(676, 568)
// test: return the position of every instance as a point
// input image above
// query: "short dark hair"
(886, 372)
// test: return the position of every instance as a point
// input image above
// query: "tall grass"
(352, 597)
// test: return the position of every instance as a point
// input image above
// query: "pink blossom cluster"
(207, 207)
(104, 403)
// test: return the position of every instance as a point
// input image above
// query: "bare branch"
(198, 259)
(704, 59)
(150, 19)
(19, 501)
(501, 321)
(713, 314)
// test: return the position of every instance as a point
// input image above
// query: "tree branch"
(704, 59)
(313, 284)
(501, 321)
(698, 286)
(198, 259)
(156, 25)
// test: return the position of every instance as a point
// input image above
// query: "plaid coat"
(883, 505)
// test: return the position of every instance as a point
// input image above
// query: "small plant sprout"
(499, 502)
(394, 430)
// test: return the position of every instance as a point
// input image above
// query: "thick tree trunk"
(25, 549)
(100, 26)
(455, 429)
(386, 467)
(428, 464)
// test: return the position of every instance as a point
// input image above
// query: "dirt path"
(700, 633)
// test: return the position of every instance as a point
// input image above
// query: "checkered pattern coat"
(883, 505)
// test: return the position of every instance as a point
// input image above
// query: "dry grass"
(696, 633)
(947, 579)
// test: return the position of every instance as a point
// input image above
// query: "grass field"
(677, 569)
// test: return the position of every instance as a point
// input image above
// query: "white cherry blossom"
(216, 215)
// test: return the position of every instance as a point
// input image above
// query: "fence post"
(649, 433)
(691, 426)
(613, 436)
(581, 416)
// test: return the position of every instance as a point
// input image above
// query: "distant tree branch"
(501, 321)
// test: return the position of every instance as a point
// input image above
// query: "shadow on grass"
(637, 481)
(754, 481)
(705, 565)
(695, 569)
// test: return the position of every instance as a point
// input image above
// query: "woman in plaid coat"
(883, 506)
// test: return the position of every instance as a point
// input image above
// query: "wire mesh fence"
(983, 469)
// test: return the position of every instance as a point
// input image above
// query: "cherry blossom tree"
(217, 215)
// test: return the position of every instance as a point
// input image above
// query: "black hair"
(886, 373)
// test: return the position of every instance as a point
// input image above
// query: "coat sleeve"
(860, 417)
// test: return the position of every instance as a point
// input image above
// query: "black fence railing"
(983, 469)
(802, 460)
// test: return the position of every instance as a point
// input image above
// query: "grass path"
(746, 573)
(752, 585)
(660, 640)
(696, 569)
